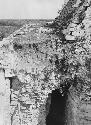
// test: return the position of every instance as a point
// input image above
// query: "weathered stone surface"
(74, 26)
(39, 61)
(26, 59)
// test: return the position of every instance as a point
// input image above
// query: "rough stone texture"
(39, 59)
(74, 26)
(26, 57)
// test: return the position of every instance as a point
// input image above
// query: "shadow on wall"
(57, 109)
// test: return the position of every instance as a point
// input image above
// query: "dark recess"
(17, 46)
(10, 78)
(57, 109)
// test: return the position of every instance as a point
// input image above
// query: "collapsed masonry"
(34, 61)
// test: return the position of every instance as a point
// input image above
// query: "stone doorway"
(57, 110)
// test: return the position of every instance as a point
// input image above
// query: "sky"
(29, 9)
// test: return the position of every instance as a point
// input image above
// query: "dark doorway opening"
(57, 109)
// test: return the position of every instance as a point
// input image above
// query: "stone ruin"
(35, 60)
(27, 75)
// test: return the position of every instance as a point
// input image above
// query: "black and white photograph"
(45, 62)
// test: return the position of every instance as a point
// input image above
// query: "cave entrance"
(57, 110)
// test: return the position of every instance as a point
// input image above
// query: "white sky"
(29, 9)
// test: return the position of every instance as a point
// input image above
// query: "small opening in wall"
(17, 46)
(10, 78)
(56, 114)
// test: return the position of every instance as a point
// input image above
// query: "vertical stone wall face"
(4, 99)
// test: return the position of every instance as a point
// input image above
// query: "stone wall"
(38, 60)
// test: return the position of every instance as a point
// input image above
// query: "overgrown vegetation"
(73, 65)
